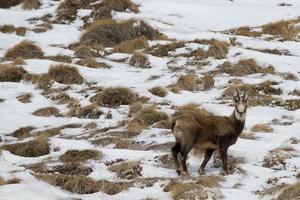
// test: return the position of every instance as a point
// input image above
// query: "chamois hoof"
(178, 172)
(185, 174)
(224, 173)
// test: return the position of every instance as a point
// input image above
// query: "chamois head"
(240, 103)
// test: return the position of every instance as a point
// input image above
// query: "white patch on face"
(240, 108)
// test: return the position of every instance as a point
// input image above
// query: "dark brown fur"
(209, 133)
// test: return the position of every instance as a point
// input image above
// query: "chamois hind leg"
(182, 156)
(175, 150)
(207, 156)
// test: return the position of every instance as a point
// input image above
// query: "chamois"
(209, 133)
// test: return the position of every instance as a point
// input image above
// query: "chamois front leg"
(207, 156)
(223, 154)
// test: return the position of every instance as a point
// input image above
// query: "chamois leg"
(175, 150)
(223, 154)
(182, 156)
(207, 156)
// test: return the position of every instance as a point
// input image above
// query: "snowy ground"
(182, 20)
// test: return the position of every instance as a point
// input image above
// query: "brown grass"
(158, 91)
(46, 112)
(134, 108)
(9, 3)
(247, 136)
(282, 28)
(73, 156)
(87, 112)
(163, 50)
(92, 63)
(67, 10)
(127, 169)
(108, 32)
(19, 61)
(289, 104)
(105, 8)
(74, 169)
(139, 60)
(31, 4)
(84, 51)
(33, 148)
(188, 82)
(261, 128)
(112, 188)
(145, 118)
(191, 107)
(290, 192)
(25, 49)
(207, 82)
(60, 58)
(131, 46)
(65, 74)
(244, 67)
(115, 96)
(23, 132)
(10, 181)
(7, 28)
(218, 50)
(11, 73)
(245, 31)
(25, 98)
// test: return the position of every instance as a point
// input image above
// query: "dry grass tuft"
(289, 104)
(290, 192)
(245, 31)
(163, 50)
(188, 82)
(11, 73)
(25, 98)
(192, 108)
(158, 91)
(104, 8)
(25, 49)
(67, 10)
(207, 82)
(244, 67)
(74, 184)
(21, 31)
(87, 112)
(115, 96)
(247, 136)
(33, 148)
(60, 58)
(65, 74)
(84, 51)
(19, 61)
(108, 32)
(73, 156)
(46, 112)
(134, 108)
(9, 3)
(10, 181)
(131, 46)
(92, 63)
(145, 118)
(262, 128)
(112, 188)
(140, 60)
(282, 28)
(218, 50)
(74, 169)
(23, 132)
(127, 169)
(31, 4)
(7, 29)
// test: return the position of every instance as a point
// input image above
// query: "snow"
(183, 20)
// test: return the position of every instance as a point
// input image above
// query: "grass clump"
(262, 128)
(74, 156)
(7, 28)
(218, 50)
(25, 49)
(84, 51)
(285, 29)
(11, 73)
(163, 50)
(244, 67)
(33, 148)
(87, 112)
(145, 118)
(22, 132)
(115, 96)
(25, 98)
(74, 169)
(65, 74)
(191, 107)
(10, 181)
(245, 31)
(188, 82)
(104, 9)
(290, 192)
(158, 91)
(139, 60)
(46, 112)
(9, 3)
(127, 169)
(131, 46)
(92, 63)
(108, 32)
(31, 4)
(67, 10)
